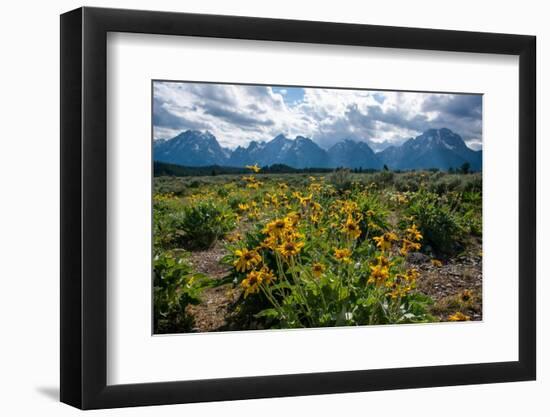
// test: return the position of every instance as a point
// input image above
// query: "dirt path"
(210, 315)
(446, 283)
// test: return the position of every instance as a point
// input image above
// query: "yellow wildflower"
(290, 248)
(379, 274)
(466, 296)
(351, 228)
(383, 261)
(246, 259)
(315, 188)
(414, 234)
(458, 316)
(408, 246)
(304, 201)
(398, 290)
(318, 269)
(270, 242)
(292, 234)
(349, 207)
(437, 263)
(384, 242)
(234, 237)
(254, 168)
(412, 275)
(267, 275)
(251, 284)
(277, 226)
(314, 218)
(243, 207)
(272, 198)
(254, 214)
(293, 218)
(342, 255)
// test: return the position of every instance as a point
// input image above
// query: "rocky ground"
(211, 314)
(445, 283)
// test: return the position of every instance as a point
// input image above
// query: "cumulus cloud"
(237, 114)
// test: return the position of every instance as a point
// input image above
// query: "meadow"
(280, 251)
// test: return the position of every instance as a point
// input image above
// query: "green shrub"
(341, 179)
(439, 225)
(445, 184)
(473, 183)
(407, 182)
(204, 223)
(195, 184)
(170, 185)
(373, 213)
(175, 287)
(222, 192)
(165, 236)
(471, 221)
(235, 199)
(471, 212)
(384, 178)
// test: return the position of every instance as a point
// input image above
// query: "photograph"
(290, 207)
(267, 209)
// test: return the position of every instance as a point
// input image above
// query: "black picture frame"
(84, 207)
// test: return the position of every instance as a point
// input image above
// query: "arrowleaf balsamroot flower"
(293, 218)
(412, 275)
(414, 234)
(385, 241)
(246, 259)
(351, 228)
(290, 248)
(304, 201)
(251, 284)
(466, 296)
(318, 269)
(255, 168)
(342, 255)
(277, 227)
(243, 207)
(267, 275)
(458, 316)
(437, 263)
(409, 246)
(380, 271)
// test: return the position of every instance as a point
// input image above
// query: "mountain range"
(435, 148)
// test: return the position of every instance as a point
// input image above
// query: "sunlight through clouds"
(237, 114)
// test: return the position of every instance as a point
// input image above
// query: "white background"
(29, 225)
(133, 60)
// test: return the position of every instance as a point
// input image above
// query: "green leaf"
(269, 312)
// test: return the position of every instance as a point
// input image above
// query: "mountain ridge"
(435, 148)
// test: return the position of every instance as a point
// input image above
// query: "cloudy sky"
(237, 114)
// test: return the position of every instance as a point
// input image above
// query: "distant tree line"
(164, 169)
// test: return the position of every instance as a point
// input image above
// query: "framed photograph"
(257, 208)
